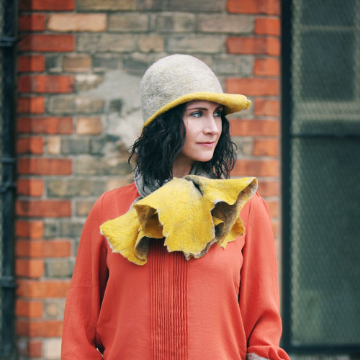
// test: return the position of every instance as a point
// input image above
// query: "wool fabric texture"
(177, 79)
(191, 213)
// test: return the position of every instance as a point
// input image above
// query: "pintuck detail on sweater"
(169, 325)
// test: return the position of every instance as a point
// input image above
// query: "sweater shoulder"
(116, 202)
(255, 202)
(124, 192)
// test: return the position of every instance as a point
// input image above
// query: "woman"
(168, 277)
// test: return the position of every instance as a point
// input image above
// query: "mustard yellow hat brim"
(232, 103)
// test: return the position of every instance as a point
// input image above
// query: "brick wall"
(79, 69)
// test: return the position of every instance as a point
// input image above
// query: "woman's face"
(202, 120)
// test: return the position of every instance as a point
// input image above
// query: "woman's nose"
(212, 125)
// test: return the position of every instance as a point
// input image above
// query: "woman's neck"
(182, 166)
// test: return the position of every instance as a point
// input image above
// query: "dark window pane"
(327, 65)
(325, 231)
(328, 12)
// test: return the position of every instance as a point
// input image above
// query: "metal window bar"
(7, 167)
(321, 176)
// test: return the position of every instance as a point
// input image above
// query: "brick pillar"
(43, 263)
(258, 129)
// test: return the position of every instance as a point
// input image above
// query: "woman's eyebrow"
(197, 108)
(200, 108)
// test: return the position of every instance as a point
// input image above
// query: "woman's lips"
(207, 144)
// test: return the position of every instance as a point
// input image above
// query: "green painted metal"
(7, 169)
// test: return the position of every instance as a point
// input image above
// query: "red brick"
(267, 67)
(30, 187)
(29, 229)
(51, 43)
(31, 63)
(50, 328)
(266, 147)
(29, 268)
(240, 127)
(267, 26)
(30, 145)
(253, 45)
(269, 188)
(253, 86)
(30, 309)
(44, 166)
(265, 107)
(75, 63)
(89, 126)
(34, 349)
(77, 22)
(270, 7)
(42, 289)
(52, 5)
(43, 208)
(256, 168)
(47, 248)
(32, 105)
(273, 208)
(46, 84)
(32, 22)
(47, 125)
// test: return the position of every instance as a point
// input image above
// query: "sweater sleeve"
(86, 291)
(259, 292)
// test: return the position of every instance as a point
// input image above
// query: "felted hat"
(177, 79)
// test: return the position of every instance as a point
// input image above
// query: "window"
(321, 175)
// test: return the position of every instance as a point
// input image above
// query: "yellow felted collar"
(191, 213)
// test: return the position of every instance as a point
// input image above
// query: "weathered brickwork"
(80, 63)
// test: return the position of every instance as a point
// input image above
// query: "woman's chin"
(203, 158)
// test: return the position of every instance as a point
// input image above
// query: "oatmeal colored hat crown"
(177, 79)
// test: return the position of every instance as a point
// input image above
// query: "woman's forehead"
(202, 104)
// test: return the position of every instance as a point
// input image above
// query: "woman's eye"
(217, 113)
(196, 114)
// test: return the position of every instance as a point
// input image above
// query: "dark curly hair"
(162, 140)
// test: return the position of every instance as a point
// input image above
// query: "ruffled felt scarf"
(191, 213)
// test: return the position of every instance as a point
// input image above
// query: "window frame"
(287, 134)
(7, 186)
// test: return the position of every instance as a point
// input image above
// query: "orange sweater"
(172, 308)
